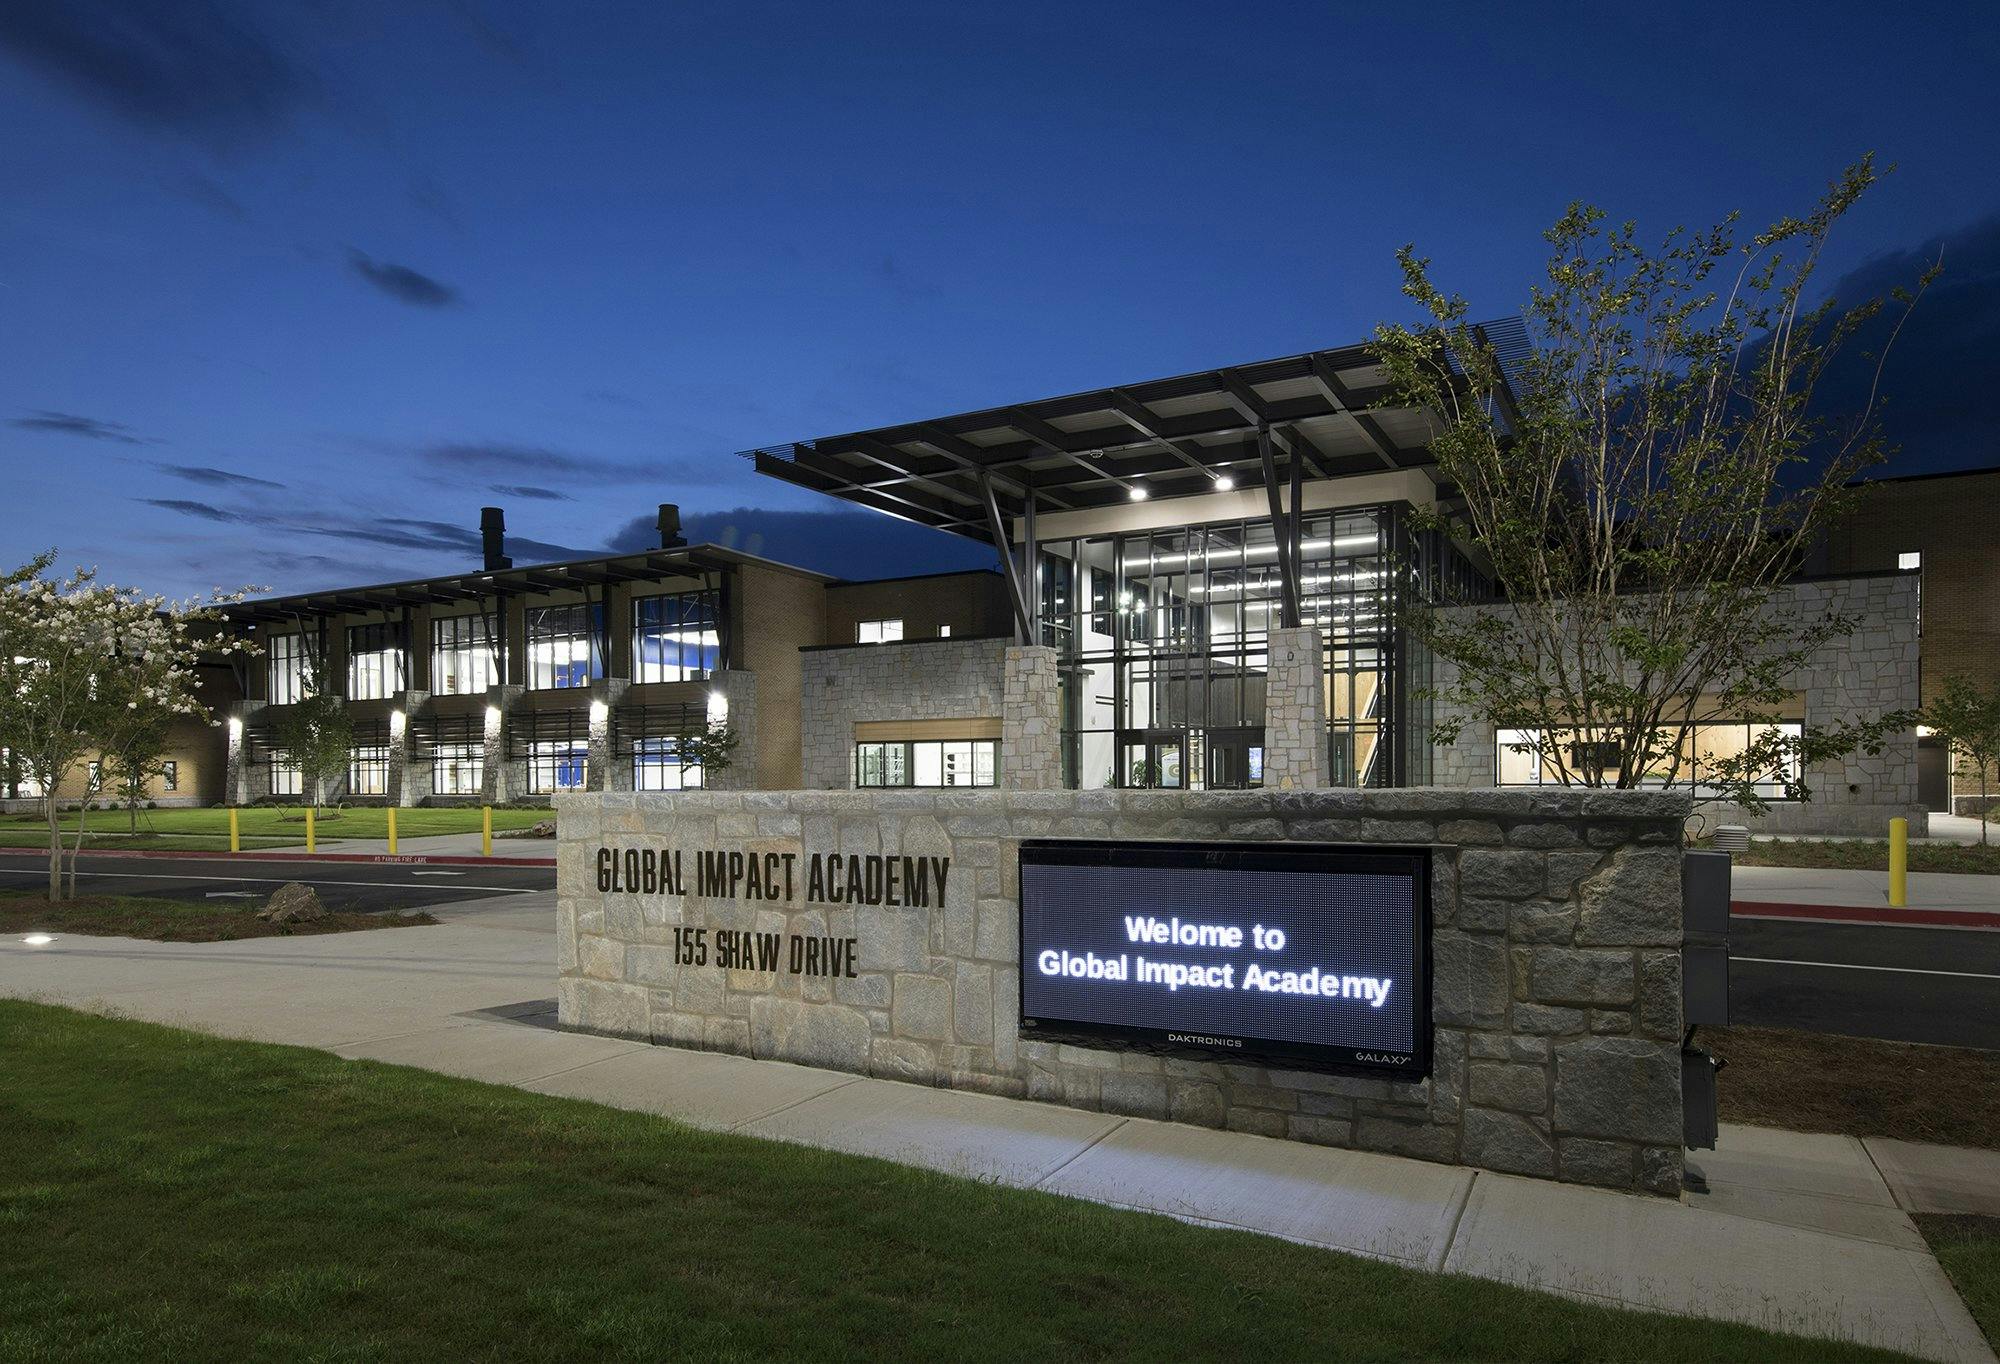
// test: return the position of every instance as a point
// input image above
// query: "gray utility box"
(1704, 986)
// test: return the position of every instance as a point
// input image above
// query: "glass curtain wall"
(1162, 637)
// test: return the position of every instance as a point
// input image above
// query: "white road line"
(1856, 966)
(437, 873)
(276, 880)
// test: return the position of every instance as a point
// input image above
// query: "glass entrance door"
(1155, 759)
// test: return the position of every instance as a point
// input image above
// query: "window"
(1515, 765)
(464, 661)
(285, 779)
(1910, 558)
(285, 665)
(558, 765)
(374, 662)
(928, 762)
(675, 637)
(458, 769)
(368, 770)
(658, 765)
(944, 632)
(565, 646)
(93, 774)
(170, 775)
(878, 632)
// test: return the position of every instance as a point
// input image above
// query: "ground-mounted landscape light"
(38, 939)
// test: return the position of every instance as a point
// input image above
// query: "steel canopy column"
(1285, 534)
(997, 524)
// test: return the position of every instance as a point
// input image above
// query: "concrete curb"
(1881, 915)
(400, 859)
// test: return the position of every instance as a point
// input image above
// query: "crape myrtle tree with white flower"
(86, 669)
(1644, 483)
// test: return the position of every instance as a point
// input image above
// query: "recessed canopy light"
(1223, 483)
(1137, 493)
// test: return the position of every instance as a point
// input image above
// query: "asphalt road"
(1904, 984)
(363, 887)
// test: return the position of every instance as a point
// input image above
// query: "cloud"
(1944, 365)
(69, 424)
(190, 67)
(841, 543)
(215, 478)
(197, 188)
(530, 491)
(207, 511)
(402, 283)
(483, 459)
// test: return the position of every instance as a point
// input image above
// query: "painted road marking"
(437, 873)
(276, 880)
(1856, 966)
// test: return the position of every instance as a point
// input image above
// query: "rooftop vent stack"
(493, 538)
(670, 526)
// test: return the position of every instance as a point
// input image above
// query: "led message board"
(1308, 956)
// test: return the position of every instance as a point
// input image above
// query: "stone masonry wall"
(927, 679)
(1555, 951)
(1030, 720)
(1295, 757)
(1868, 673)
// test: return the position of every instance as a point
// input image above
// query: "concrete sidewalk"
(1863, 889)
(444, 845)
(1797, 1233)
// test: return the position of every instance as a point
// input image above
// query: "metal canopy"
(1327, 410)
(644, 566)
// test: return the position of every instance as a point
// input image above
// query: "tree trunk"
(55, 846)
(76, 850)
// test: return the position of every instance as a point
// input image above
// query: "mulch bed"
(125, 916)
(1814, 1082)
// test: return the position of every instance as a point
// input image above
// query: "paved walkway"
(1798, 1233)
(1863, 889)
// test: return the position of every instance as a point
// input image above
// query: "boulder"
(293, 903)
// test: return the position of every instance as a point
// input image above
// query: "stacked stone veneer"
(1030, 720)
(927, 679)
(1295, 712)
(1555, 961)
(1860, 676)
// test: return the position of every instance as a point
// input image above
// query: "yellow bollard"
(1899, 862)
(235, 834)
(309, 829)
(486, 831)
(392, 831)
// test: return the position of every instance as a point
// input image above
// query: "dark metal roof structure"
(643, 566)
(1328, 411)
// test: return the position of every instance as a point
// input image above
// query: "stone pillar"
(733, 701)
(1030, 720)
(604, 773)
(242, 778)
(1295, 712)
(495, 784)
(409, 774)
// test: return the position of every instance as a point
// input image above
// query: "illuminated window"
(368, 770)
(558, 765)
(1516, 764)
(458, 769)
(565, 646)
(928, 762)
(878, 632)
(464, 661)
(285, 669)
(660, 765)
(374, 662)
(675, 638)
(944, 632)
(170, 775)
(1910, 558)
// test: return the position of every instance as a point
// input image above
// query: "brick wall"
(973, 604)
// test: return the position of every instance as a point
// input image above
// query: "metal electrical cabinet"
(1704, 986)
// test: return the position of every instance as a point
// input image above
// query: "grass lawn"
(165, 1193)
(262, 825)
(136, 916)
(1969, 1250)
(1810, 1082)
(1859, 854)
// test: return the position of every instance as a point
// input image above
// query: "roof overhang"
(1330, 411)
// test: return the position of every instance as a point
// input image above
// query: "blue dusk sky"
(287, 292)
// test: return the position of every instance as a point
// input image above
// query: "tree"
(317, 737)
(712, 749)
(83, 664)
(1644, 482)
(134, 756)
(1967, 717)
